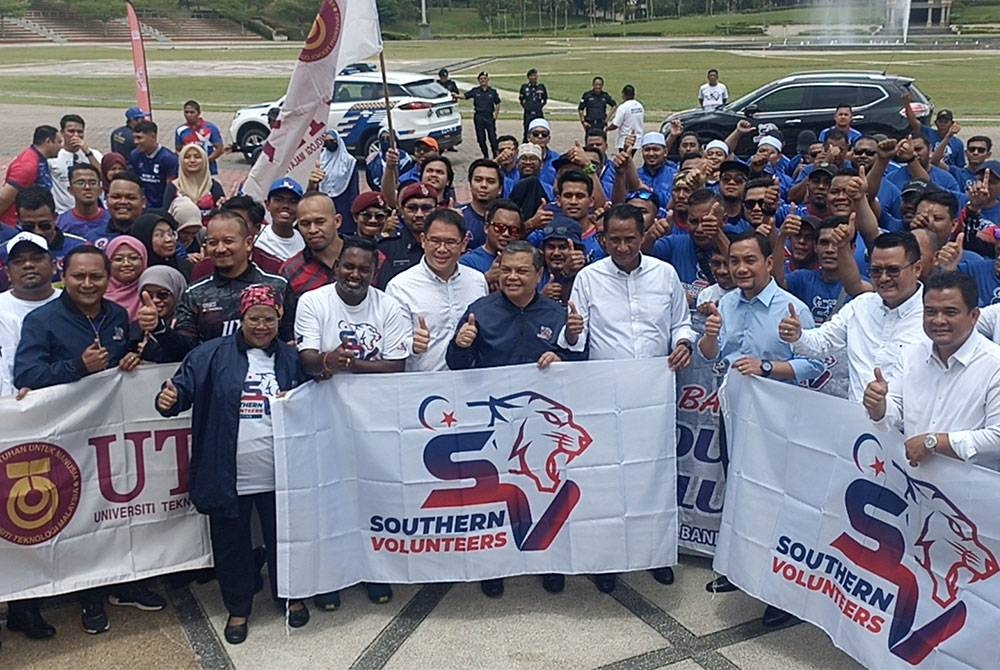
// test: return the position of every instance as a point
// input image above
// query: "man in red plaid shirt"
(318, 222)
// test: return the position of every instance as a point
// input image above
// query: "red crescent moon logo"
(324, 34)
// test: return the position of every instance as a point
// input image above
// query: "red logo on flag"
(324, 33)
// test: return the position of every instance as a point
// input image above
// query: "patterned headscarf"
(260, 294)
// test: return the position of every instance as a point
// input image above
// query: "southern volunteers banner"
(455, 476)
(825, 518)
(93, 487)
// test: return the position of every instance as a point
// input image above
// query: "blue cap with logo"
(286, 184)
(134, 114)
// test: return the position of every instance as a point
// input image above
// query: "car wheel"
(251, 138)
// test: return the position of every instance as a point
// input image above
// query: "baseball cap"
(135, 113)
(529, 149)
(992, 166)
(24, 237)
(945, 115)
(813, 222)
(737, 166)
(653, 138)
(562, 228)
(915, 186)
(286, 184)
(417, 191)
(366, 200)
(806, 139)
(539, 123)
(430, 142)
(822, 169)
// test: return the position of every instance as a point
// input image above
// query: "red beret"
(417, 191)
(366, 200)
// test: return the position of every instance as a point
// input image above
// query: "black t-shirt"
(594, 106)
(484, 100)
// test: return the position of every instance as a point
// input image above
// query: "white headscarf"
(338, 165)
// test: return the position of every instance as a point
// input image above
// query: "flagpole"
(385, 94)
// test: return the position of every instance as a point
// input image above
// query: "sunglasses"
(419, 208)
(539, 133)
(513, 231)
(891, 273)
(646, 196)
(864, 152)
(977, 150)
(32, 227)
(755, 203)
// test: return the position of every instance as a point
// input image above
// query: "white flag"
(345, 31)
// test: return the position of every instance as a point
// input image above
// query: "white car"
(420, 108)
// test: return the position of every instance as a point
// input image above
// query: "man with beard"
(281, 239)
(126, 202)
(485, 185)
(503, 226)
(403, 249)
(315, 265)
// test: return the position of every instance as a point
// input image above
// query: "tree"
(10, 8)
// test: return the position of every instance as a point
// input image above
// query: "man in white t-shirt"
(630, 117)
(75, 150)
(281, 239)
(30, 268)
(713, 93)
(435, 293)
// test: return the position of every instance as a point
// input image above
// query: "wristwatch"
(930, 441)
(590, 169)
(766, 368)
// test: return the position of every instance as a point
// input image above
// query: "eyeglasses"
(500, 228)
(32, 227)
(539, 133)
(378, 217)
(254, 321)
(132, 259)
(752, 204)
(86, 183)
(165, 235)
(734, 178)
(161, 295)
(977, 150)
(891, 272)
(865, 152)
(436, 242)
(419, 208)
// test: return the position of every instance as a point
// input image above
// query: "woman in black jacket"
(230, 381)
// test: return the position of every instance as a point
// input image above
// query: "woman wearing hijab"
(194, 181)
(340, 177)
(160, 289)
(111, 165)
(190, 228)
(128, 261)
(157, 230)
(232, 446)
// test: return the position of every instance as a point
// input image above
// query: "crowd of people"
(879, 250)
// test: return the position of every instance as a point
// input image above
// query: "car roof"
(842, 75)
(392, 76)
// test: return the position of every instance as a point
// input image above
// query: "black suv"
(807, 101)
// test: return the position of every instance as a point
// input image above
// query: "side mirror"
(750, 110)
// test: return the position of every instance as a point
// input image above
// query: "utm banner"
(93, 487)
(825, 518)
(457, 476)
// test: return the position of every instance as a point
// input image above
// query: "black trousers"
(529, 116)
(232, 548)
(486, 134)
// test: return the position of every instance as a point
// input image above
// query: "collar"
(534, 301)
(309, 256)
(244, 276)
(915, 303)
(618, 272)
(71, 306)
(242, 346)
(765, 297)
(433, 277)
(965, 354)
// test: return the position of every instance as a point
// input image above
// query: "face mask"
(383, 144)
(330, 145)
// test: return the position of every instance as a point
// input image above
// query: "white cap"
(770, 141)
(24, 237)
(530, 149)
(718, 144)
(539, 123)
(653, 138)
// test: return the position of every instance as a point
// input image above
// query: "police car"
(420, 108)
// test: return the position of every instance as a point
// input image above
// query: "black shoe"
(94, 618)
(606, 582)
(663, 575)
(774, 617)
(554, 583)
(492, 588)
(137, 597)
(31, 623)
(298, 618)
(379, 594)
(236, 633)
(721, 584)
(328, 602)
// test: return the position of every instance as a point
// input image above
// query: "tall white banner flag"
(94, 487)
(456, 476)
(344, 32)
(826, 519)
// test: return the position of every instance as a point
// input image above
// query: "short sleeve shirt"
(595, 106)
(713, 96)
(154, 172)
(29, 169)
(484, 100)
(376, 329)
(206, 133)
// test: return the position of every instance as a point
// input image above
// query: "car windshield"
(426, 88)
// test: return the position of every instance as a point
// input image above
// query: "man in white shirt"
(281, 239)
(629, 117)
(30, 268)
(874, 327)
(633, 306)
(945, 399)
(436, 292)
(713, 93)
(75, 150)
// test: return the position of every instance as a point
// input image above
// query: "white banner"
(344, 32)
(457, 476)
(825, 518)
(93, 487)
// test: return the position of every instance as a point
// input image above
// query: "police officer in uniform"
(486, 108)
(594, 105)
(533, 97)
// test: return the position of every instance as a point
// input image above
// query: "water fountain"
(897, 19)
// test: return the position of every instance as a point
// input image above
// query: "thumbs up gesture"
(421, 336)
(574, 324)
(875, 395)
(947, 257)
(167, 397)
(148, 316)
(467, 333)
(95, 357)
(713, 324)
(790, 328)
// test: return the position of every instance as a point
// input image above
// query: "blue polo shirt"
(478, 258)
(661, 181)
(819, 296)
(474, 224)
(954, 154)
(154, 172)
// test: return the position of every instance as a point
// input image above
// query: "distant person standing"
(197, 130)
(713, 93)
(629, 117)
(594, 105)
(533, 97)
(121, 137)
(154, 164)
(448, 84)
(75, 150)
(29, 168)
(486, 108)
